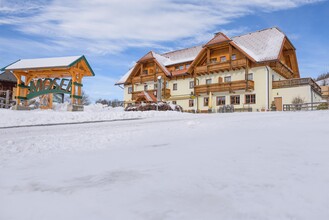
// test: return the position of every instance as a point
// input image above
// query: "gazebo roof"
(48, 63)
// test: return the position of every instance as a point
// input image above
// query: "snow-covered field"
(164, 165)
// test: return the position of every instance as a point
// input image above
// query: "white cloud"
(104, 26)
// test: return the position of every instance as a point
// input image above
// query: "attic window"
(233, 57)
(222, 59)
(145, 72)
(213, 60)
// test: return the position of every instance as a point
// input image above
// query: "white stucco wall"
(304, 92)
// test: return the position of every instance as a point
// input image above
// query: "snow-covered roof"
(123, 79)
(181, 56)
(43, 63)
(261, 45)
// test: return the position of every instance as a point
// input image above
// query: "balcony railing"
(225, 87)
(144, 78)
(221, 66)
(295, 83)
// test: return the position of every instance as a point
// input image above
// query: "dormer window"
(223, 59)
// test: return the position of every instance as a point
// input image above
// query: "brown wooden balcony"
(225, 87)
(165, 93)
(295, 83)
(144, 78)
(221, 66)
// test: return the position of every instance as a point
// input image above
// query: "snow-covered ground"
(165, 165)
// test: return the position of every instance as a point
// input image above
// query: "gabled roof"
(259, 46)
(147, 56)
(264, 45)
(7, 76)
(165, 59)
(217, 39)
(124, 78)
(42, 63)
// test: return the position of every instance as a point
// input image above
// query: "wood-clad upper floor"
(220, 54)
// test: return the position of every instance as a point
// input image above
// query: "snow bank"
(94, 112)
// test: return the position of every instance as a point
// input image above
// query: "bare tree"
(85, 98)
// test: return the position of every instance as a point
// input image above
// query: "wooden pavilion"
(46, 76)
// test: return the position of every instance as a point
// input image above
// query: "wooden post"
(230, 54)
(79, 89)
(18, 90)
(246, 73)
(73, 88)
(7, 99)
(208, 56)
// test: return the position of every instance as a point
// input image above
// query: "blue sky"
(112, 34)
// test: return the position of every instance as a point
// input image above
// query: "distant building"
(7, 81)
(254, 71)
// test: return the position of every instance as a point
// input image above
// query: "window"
(191, 103)
(213, 60)
(145, 72)
(145, 87)
(220, 100)
(181, 67)
(233, 57)
(227, 79)
(174, 102)
(130, 90)
(272, 77)
(250, 76)
(222, 58)
(235, 100)
(176, 67)
(167, 85)
(174, 86)
(155, 86)
(187, 66)
(191, 84)
(251, 99)
(205, 101)
(208, 81)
